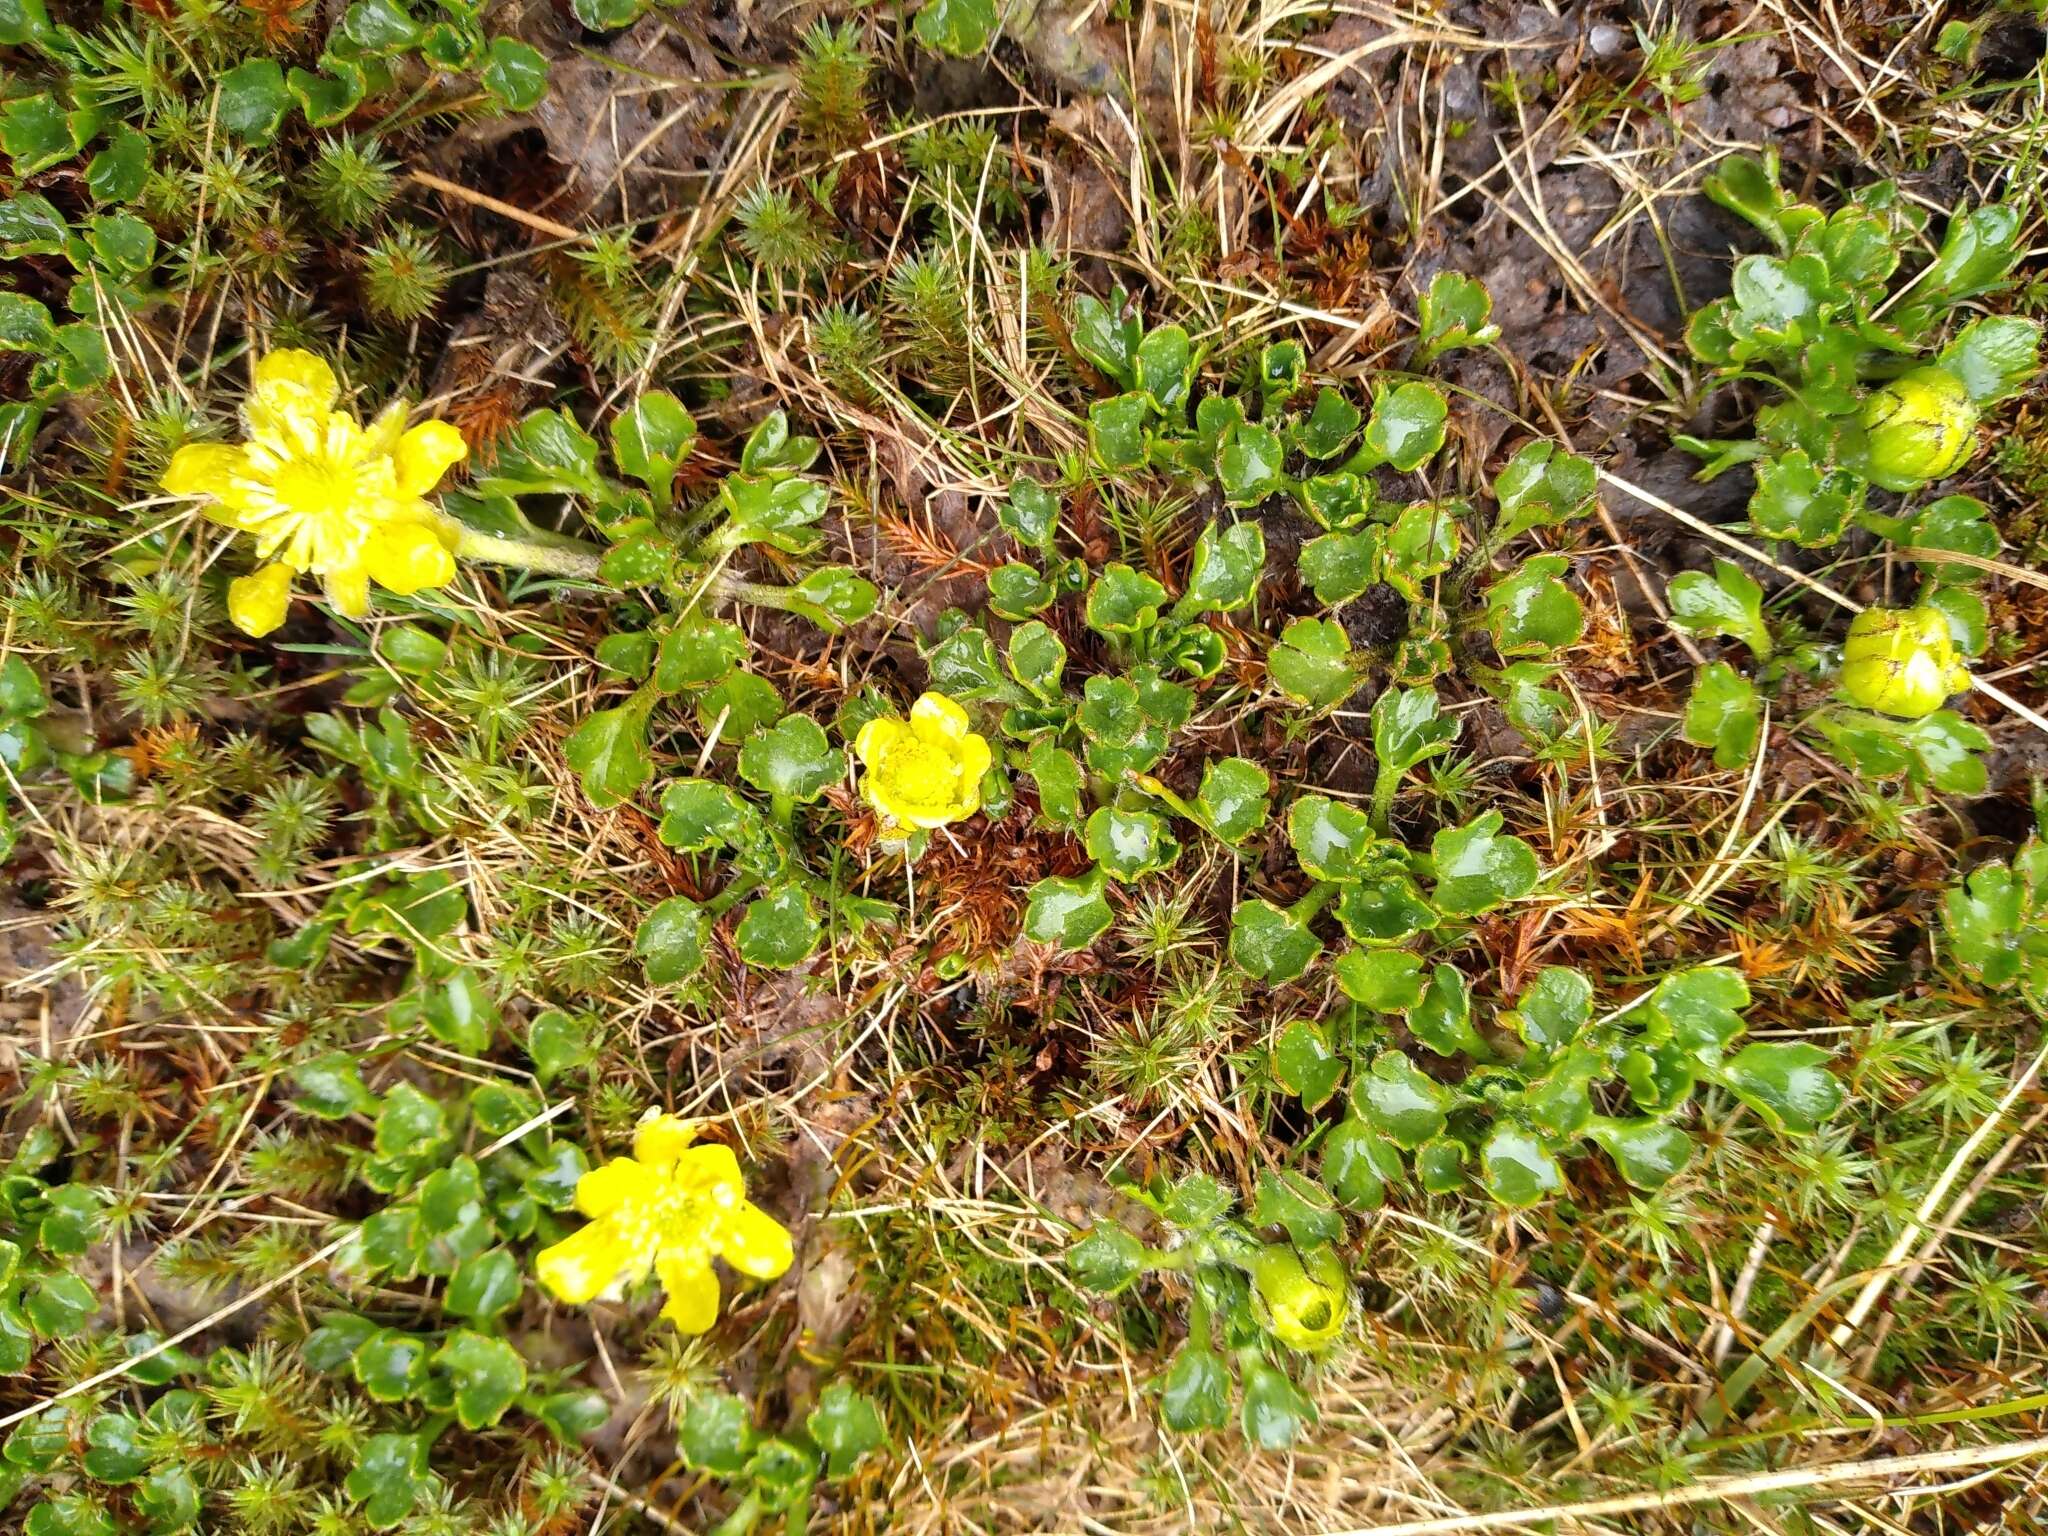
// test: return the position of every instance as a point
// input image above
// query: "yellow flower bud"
(1901, 661)
(1303, 1299)
(926, 771)
(1917, 428)
(257, 602)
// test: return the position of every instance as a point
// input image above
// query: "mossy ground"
(763, 209)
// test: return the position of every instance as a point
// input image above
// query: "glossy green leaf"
(1786, 1082)
(670, 940)
(1725, 603)
(792, 760)
(1248, 464)
(487, 1374)
(1305, 1064)
(1456, 311)
(1223, 574)
(1117, 432)
(1299, 1204)
(1332, 840)
(515, 74)
(846, 1425)
(1123, 601)
(484, 1285)
(1312, 663)
(1724, 712)
(1195, 1394)
(1129, 845)
(1384, 980)
(715, 1433)
(1532, 612)
(1269, 943)
(1233, 797)
(253, 101)
(1068, 912)
(1107, 1259)
(609, 752)
(1516, 1168)
(1342, 566)
(1478, 867)
(778, 930)
(1407, 425)
(1400, 1102)
(1552, 1009)
(1649, 1153)
(963, 28)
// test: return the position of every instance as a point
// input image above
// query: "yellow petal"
(661, 1139)
(294, 380)
(203, 469)
(583, 1264)
(692, 1292)
(974, 762)
(407, 557)
(710, 1169)
(877, 738)
(348, 591)
(937, 718)
(383, 432)
(424, 455)
(603, 1190)
(257, 602)
(755, 1243)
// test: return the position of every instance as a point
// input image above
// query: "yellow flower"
(1901, 661)
(926, 771)
(669, 1209)
(1303, 1301)
(1917, 428)
(323, 495)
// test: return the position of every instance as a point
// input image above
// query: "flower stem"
(570, 557)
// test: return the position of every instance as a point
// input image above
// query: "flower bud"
(1917, 428)
(1901, 661)
(1303, 1299)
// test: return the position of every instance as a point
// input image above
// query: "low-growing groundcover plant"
(931, 789)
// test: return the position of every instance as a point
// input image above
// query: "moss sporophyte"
(323, 495)
(668, 1210)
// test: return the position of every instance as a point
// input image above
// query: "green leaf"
(1384, 980)
(1107, 1259)
(698, 652)
(516, 75)
(459, 1012)
(670, 940)
(331, 1087)
(1749, 187)
(169, 1499)
(327, 101)
(1165, 364)
(483, 1286)
(1342, 566)
(24, 327)
(1269, 943)
(1031, 513)
(1531, 612)
(1058, 776)
(1649, 1153)
(1409, 727)
(253, 100)
(1552, 1009)
(1725, 603)
(1037, 658)
(1312, 663)
(1305, 1064)
(1299, 1204)
(1407, 426)
(1701, 1008)
(35, 131)
(390, 1477)
(607, 15)
(609, 751)
(698, 815)
(1442, 1020)
(778, 930)
(1233, 797)
(963, 28)
(1401, 1102)
(1516, 1168)
(715, 1434)
(1978, 250)
(1786, 1082)
(846, 1425)
(1068, 912)
(1798, 503)
(1275, 1411)
(1332, 840)
(1543, 485)
(1018, 591)
(1330, 426)
(777, 511)
(1281, 364)
(1478, 867)
(738, 706)
(22, 21)
(652, 437)
(1356, 1163)
(1129, 845)
(1116, 431)
(1994, 356)
(1455, 312)
(390, 1365)
(1420, 546)
(1108, 335)
(1123, 601)
(1224, 574)
(1724, 713)
(1384, 909)
(1195, 1393)
(792, 760)
(1936, 750)
(1338, 501)
(1248, 463)
(118, 173)
(488, 1376)
(112, 1454)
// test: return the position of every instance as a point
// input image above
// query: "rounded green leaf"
(778, 930)
(1123, 601)
(1407, 425)
(253, 100)
(1312, 663)
(1195, 1393)
(1531, 611)
(1516, 1168)
(1305, 1064)
(1400, 1101)
(1106, 1259)
(1384, 980)
(1129, 845)
(1649, 1153)
(1269, 944)
(1332, 840)
(487, 1375)
(792, 759)
(1478, 867)
(1068, 912)
(670, 940)
(1233, 797)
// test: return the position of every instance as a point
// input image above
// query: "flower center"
(314, 488)
(920, 773)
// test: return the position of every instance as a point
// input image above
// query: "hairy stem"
(571, 557)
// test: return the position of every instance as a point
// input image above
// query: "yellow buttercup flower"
(1302, 1300)
(1901, 661)
(669, 1209)
(323, 495)
(924, 771)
